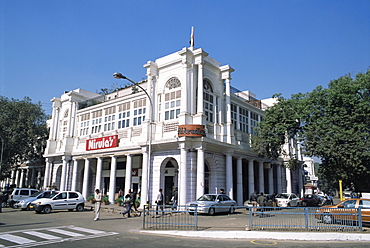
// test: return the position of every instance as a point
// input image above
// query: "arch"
(172, 83)
(207, 85)
(168, 180)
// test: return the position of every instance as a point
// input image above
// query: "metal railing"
(261, 218)
(167, 218)
(305, 219)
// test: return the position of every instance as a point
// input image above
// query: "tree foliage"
(333, 124)
(23, 130)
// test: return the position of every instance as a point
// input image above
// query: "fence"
(166, 218)
(305, 219)
(264, 218)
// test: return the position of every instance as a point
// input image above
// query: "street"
(65, 229)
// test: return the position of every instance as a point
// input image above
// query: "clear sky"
(286, 46)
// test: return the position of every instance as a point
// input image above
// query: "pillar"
(128, 178)
(200, 172)
(288, 181)
(183, 176)
(261, 177)
(239, 181)
(63, 178)
(98, 177)
(85, 185)
(74, 174)
(229, 176)
(278, 178)
(251, 188)
(271, 179)
(144, 187)
(112, 180)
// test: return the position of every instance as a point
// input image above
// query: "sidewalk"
(237, 234)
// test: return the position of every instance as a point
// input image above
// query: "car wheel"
(211, 211)
(80, 208)
(327, 219)
(46, 210)
(232, 210)
(288, 205)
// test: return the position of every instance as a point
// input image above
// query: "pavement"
(216, 233)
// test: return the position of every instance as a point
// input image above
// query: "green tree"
(23, 130)
(333, 124)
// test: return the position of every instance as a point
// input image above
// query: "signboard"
(191, 131)
(102, 143)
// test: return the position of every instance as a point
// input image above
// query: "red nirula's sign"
(102, 143)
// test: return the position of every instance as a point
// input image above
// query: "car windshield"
(282, 196)
(207, 198)
(35, 194)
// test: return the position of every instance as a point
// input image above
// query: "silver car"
(24, 204)
(211, 204)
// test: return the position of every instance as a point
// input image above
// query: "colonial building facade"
(184, 127)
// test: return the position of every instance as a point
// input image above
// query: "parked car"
(59, 201)
(19, 194)
(212, 204)
(287, 200)
(26, 202)
(332, 213)
(310, 200)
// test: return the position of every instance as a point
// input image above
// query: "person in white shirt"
(97, 199)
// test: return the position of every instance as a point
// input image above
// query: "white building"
(192, 133)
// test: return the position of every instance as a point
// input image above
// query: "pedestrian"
(159, 202)
(253, 201)
(273, 199)
(222, 191)
(97, 199)
(128, 204)
(174, 198)
(120, 193)
(261, 200)
(1, 201)
(133, 198)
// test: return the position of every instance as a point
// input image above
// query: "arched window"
(209, 100)
(172, 99)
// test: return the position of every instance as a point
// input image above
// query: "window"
(208, 100)
(73, 195)
(24, 192)
(364, 204)
(109, 119)
(254, 121)
(124, 115)
(172, 99)
(139, 112)
(243, 120)
(234, 115)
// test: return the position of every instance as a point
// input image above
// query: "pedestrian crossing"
(48, 235)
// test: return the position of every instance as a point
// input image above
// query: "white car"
(26, 202)
(287, 200)
(58, 201)
(211, 204)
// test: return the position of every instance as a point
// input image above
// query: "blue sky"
(48, 47)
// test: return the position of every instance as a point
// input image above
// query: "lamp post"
(146, 173)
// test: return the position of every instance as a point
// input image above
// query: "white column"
(99, 167)
(64, 174)
(183, 176)
(271, 180)
(288, 181)
(14, 173)
(85, 185)
(239, 181)
(74, 175)
(278, 178)
(229, 176)
(200, 89)
(128, 179)
(250, 177)
(228, 110)
(112, 180)
(21, 184)
(261, 177)
(300, 182)
(144, 189)
(200, 173)
(26, 177)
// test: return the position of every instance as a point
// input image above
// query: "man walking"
(159, 201)
(97, 199)
(261, 200)
(128, 203)
(253, 200)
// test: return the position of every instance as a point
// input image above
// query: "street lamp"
(120, 76)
